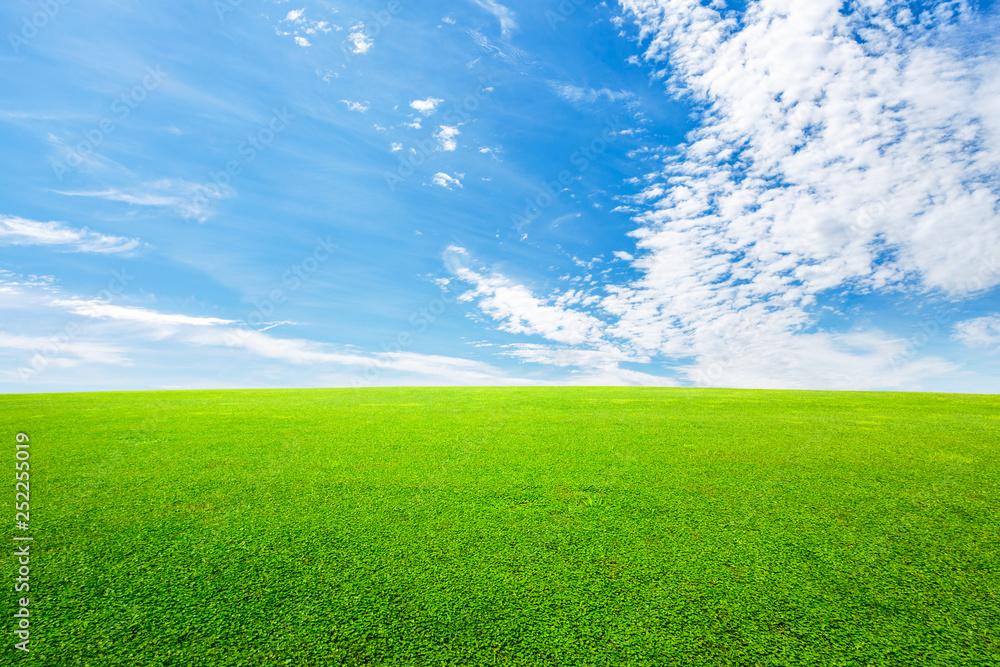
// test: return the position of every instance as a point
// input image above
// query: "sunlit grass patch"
(513, 526)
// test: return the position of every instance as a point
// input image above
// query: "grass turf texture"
(571, 526)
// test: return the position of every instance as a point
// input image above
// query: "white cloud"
(780, 359)
(445, 181)
(453, 368)
(821, 164)
(448, 20)
(508, 53)
(364, 368)
(878, 145)
(101, 309)
(578, 95)
(190, 200)
(396, 146)
(356, 106)
(507, 18)
(61, 351)
(446, 138)
(571, 356)
(428, 106)
(319, 26)
(600, 367)
(297, 17)
(979, 332)
(583, 343)
(312, 353)
(18, 231)
(517, 310)
(12, 283)
(359, 40)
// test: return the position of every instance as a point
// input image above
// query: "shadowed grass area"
(570, 526)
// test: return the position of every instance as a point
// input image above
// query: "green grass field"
(571, 526)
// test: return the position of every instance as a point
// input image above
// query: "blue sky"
(767, 194)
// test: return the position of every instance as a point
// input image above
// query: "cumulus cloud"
(19, 231)
(445, 181)
(356, 106)
(360, 42)
(298, 24)
(826, 149)
(426, 107)
(446, 138)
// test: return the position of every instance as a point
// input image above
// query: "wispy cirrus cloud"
(39, 115)
(579, 95)
(190, 200)
(66, 353)
(506, 52)
(223, 333)
(19, 231)
(507, 18)
(104, 310)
